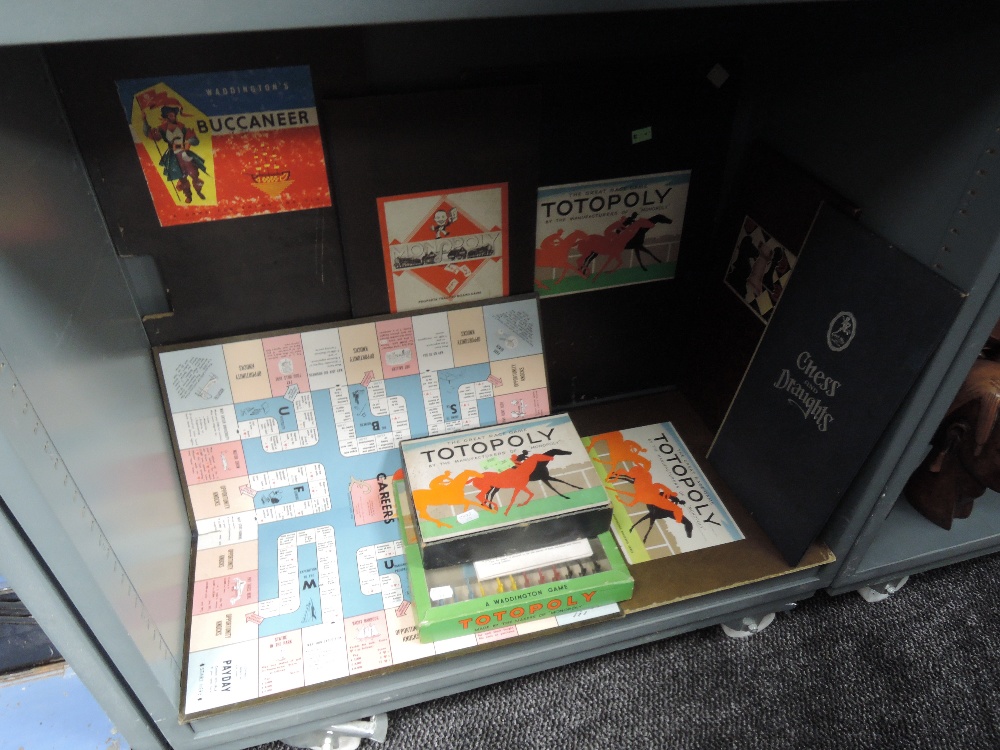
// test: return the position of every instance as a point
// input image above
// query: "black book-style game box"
(845, 345)
(763, 227)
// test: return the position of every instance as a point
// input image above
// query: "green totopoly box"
(566, 581)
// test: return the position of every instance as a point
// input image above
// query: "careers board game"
(287, 446)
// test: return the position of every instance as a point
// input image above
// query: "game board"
(287, 445)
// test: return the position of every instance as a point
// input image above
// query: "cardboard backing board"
(433, 142)
(768, 213)
(851, 335)
(704, 571)
(663, 118)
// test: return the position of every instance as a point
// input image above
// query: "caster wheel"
(346, 736)
(748, 626)
(881, 591)
(326, 742)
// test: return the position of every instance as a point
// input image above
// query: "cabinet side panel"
(87, 419)
(899, 125)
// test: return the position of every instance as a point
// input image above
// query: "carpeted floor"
(918, 670)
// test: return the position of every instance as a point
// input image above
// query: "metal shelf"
(907, 543)
(467, 671)
(51, 21)
(105, 565)
(891, 539)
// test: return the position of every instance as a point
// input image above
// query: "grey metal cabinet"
(897, 108)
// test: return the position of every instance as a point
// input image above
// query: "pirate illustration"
(180, 164)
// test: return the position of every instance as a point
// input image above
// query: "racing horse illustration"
(621, 450)
(526, 468)
(620, 237)
(446, 490)
(660, 500)
(554, 251)
(611, 243)
(627, 233)
(638, 242)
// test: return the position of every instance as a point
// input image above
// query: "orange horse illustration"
(445, 490)
(626, 234)
(611, 244)
(621, 450)
(525, 469)
(660, 500)
(553, 252)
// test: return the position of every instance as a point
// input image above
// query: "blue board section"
(281, 496)
(309, 612)
(450, 381)
(278, 409)
(339, 473)
(408, 389)
(365, 422)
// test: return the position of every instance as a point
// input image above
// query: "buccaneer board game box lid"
(504, 489)
(583, 579)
